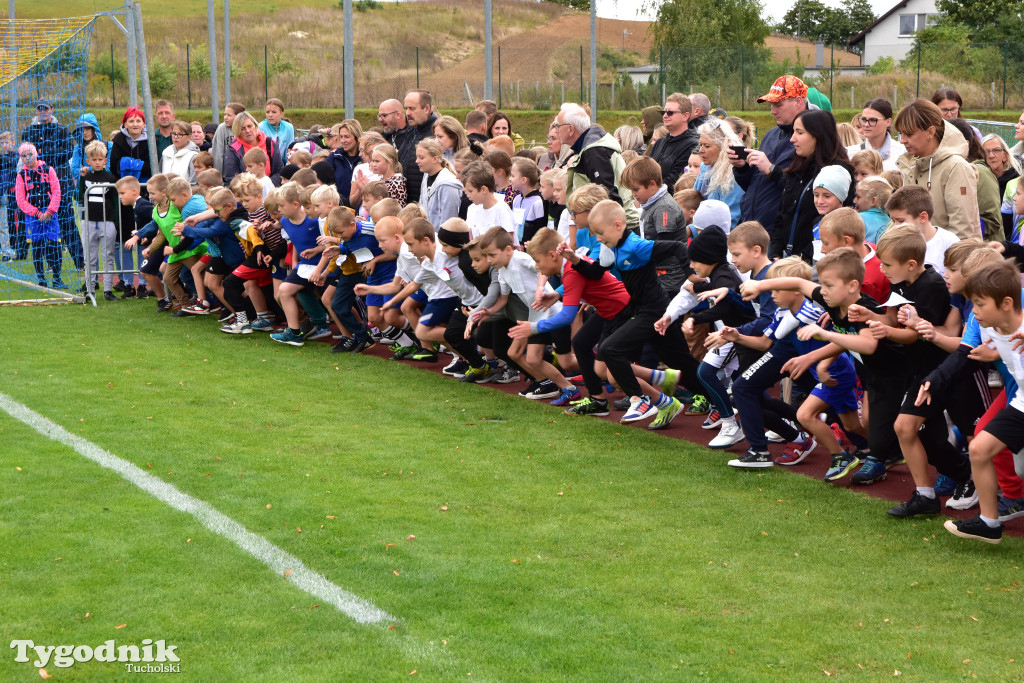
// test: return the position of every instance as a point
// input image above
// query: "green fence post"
(417, 67)
(266, 74)
(918, 70)
(743, 79)
(582, 96)
(1006, 46)
(831, 72)
(661, 72)
(113, 96)
(499, 77)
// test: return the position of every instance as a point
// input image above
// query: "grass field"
(507, 540)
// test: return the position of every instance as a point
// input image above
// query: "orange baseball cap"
(785, 87)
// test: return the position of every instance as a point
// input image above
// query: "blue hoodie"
(78, 155)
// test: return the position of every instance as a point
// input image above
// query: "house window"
(908, 25)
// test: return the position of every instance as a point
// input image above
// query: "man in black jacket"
(672, 152)
(420, 119)
(700, 110)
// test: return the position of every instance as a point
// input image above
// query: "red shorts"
(260, 275)
(205, 258)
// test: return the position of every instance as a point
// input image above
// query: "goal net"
(43, 79)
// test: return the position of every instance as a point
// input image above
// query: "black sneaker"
(361, 345)
(621, 404)
(128, 292)
(306, 326)
(120, 287)
(974, 528)
(226, 317)
(530, 388)
(544, 390)
(142, 292)
(917, 505)
(180, 313)
(109, 296)
(753, 459)
(344, 346)
(163, 305)
(457, 368)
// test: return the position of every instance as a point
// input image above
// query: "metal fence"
(988, 76)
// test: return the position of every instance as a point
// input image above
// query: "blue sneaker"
(567, 396)
(288, 337)
(944, 486)
(262, 325)
(319, 333)
(871, 471)
(1010, 508)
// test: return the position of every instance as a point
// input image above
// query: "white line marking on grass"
(314, 583)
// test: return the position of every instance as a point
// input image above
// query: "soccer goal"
(43, 81)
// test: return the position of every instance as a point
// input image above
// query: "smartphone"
(741, 151)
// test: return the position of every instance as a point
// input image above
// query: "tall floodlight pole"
(147, 98)
(593, 60)
(227, 50)
(12, 52)
(133, 74)
(488, 53)
(349, 75)
(212, 29)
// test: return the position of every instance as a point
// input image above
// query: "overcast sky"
(633, 9)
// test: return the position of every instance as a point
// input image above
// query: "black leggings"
(454, 337)
(624, 345)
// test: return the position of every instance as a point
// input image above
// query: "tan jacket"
(951, 181)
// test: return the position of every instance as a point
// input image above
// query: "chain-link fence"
(539, 74)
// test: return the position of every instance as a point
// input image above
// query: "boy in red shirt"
(606, 294)
(845, 228)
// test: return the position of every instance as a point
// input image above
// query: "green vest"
(166, 224)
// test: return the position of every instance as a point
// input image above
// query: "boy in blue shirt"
(302, 231)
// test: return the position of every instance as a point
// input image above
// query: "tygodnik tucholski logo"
(163, 660)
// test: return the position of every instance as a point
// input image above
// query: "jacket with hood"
(179, 161)
(990, 202)
(344, 166)
(221, 139)
(442, 198)
(950, 180)
(762, 193)
(78, 159)
(599, 160)
(672, 153)
(130, 157)
(651, 117)
(405, 141)
(797, 215)
(283, 134)
(233, 164)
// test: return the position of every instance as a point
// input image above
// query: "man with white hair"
(701, 108)
(597, 158)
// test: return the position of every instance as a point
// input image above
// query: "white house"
(892, 34)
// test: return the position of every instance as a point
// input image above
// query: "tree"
(814, 20)
(694, 23)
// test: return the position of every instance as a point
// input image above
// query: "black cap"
(324, 172)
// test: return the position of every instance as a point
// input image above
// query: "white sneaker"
(730, 434)
(964, 497)
(774, 438)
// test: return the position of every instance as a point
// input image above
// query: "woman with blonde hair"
(362, 173)
(715, 179)
(343, 141)
(630, 138)
(385, 164)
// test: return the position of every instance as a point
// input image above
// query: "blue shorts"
(378, 300)
(437, 312)
(843, 396)
(279, 273)
(419, 295)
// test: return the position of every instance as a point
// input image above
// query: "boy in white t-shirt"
(995, 291)
(489, 210)
(913, 204)
(415, 268)
(522, 286)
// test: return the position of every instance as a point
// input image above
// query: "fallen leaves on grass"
(87, 615)
(298, 530)
(410, 537)
(44, 674)
(331, 517)
(395, 572)
(18, 468)
(389, 545)
(188, 540)
(269, 506)
(444, 508)
(120, 626)
(288, 572)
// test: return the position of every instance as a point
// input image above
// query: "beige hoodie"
(951, 181)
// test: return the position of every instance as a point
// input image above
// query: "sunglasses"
(669, 112)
